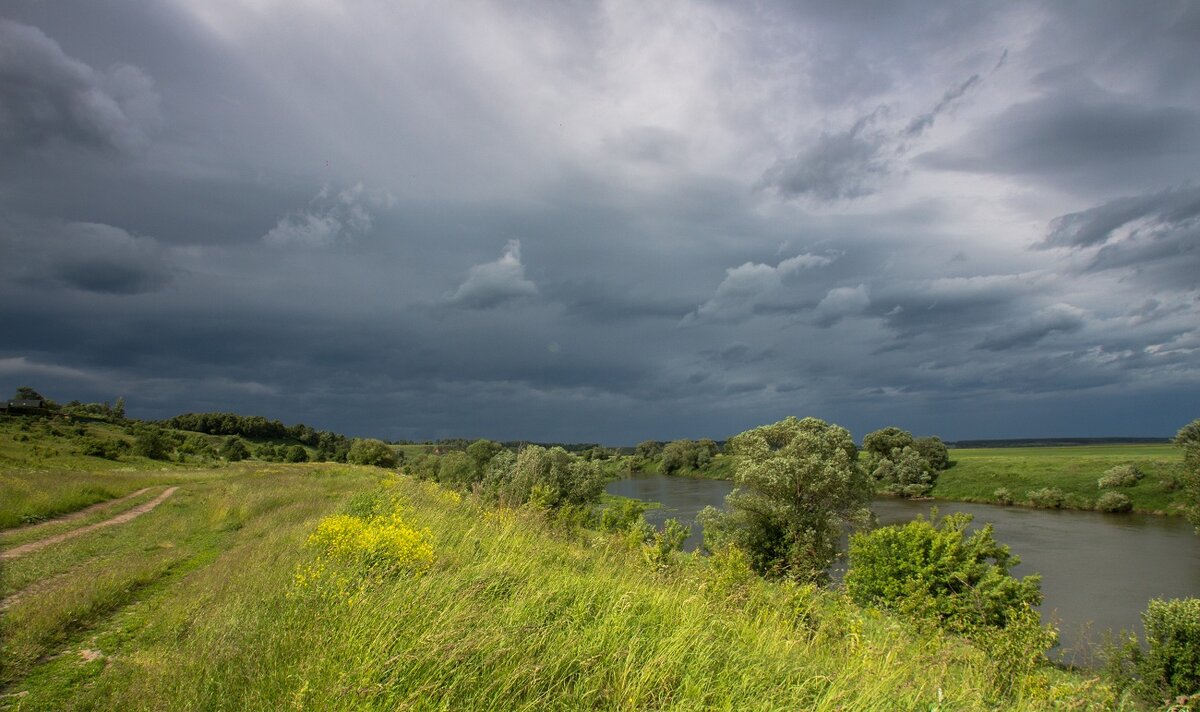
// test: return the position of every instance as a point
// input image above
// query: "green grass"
(1074, 469)
(512, 616)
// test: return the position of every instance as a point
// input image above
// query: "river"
(1098, 570)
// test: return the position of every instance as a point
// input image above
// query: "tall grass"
(512, 615)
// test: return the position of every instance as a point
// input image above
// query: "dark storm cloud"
(313, 212)
(90, 257)
(47, 96)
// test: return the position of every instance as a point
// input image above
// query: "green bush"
(1114, 502)
(108, 448)
(621, 515)
(1047, 497)
(658, 551)
(371, 452)
(1169, 665)
(151, 443)
(233, 449)
(1003, 496)
(296, 453)
(1172, 662)
(938, 572)
(1120, 476)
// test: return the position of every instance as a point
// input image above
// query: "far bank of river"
(1098, 570)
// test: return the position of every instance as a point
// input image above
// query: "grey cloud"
(751, 287)
(1157, 234)
(1171, 209)
(1083, 135)
(1057, 318)
(97, 258)
(842, 302)
(921, 123)
(650, 144)
(47, 96)
(494, 283)
(847, 164)
(330, 217)
(953, 304)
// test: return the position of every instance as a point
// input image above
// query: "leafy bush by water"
(1047, 497)
(1114, 502)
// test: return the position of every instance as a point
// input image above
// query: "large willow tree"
(798, 484)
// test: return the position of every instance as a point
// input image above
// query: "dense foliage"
(939, 571)
(1188, 438)
(798, 483)
(368, 451)
(329, 445)
(1167, 667)
(687, 455)
(902, 465)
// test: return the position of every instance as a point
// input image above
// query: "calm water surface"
(1098, 570)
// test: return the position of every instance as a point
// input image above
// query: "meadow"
(1074, 469)
(223, 598)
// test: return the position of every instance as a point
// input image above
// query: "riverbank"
(1010, 475)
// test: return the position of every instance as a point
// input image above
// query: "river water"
(1098, 570)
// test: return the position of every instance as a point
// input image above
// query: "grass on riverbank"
(978, 473)
(196, 606)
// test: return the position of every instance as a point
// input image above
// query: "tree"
(1188, 438)
(118, 410)
(934, 451)
(904, 466)
(296, 453)
(798, 483)
(647, 449)
(233, 449)
(371, 452)
(27, 393)
(481, 453)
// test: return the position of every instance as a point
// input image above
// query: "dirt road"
(121, 518)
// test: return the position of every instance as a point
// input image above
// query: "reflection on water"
(1098, 570)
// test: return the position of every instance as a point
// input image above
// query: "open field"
(198, 605)
(1074, 469)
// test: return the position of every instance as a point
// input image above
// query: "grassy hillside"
(198, 606)
(217, 599)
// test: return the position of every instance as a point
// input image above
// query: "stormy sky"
(606, 221)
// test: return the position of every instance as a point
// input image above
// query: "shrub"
(1169, 666)
(1003, 496)
(938, 572)
(1114, 502)
(621, 515)
(296, 453)
(658, 551)
(1120, 476)
(1047, 497)
(151, 443)
(233, 449)
(109, 449)
(371, 452)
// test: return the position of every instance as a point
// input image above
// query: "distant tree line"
(330, 446)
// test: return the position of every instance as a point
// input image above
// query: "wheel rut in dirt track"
(121, 518)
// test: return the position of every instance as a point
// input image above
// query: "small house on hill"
(25, 405)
